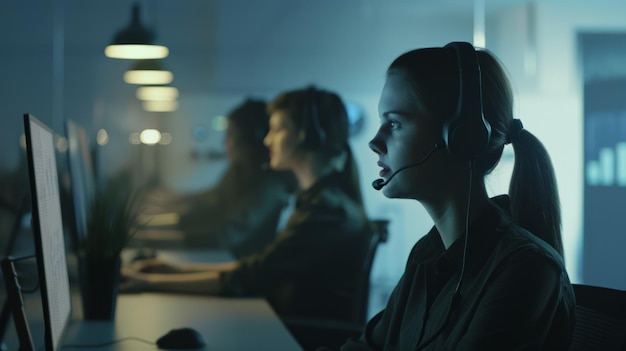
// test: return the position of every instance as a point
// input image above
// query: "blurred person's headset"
(311, 134)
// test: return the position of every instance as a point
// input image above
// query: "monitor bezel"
(37, 234)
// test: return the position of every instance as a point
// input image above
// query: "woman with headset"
(241, 213)
(489, 275)
(313, 266)
(243, 210)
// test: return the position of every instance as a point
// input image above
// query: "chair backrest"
(379, 233)
(313, 333)
(600, 319)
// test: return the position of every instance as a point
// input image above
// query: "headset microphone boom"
(380, 182)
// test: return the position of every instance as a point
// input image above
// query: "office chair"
(313, 333)
(380, 234)
(11, 215)
(600, 319)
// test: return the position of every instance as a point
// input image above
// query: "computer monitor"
(48, 231)
(82, 178)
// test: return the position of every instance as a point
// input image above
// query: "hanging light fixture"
(150, 136)
(160, 93)
(148, 72)
(135, 42)
(158, 98)
(159, 105)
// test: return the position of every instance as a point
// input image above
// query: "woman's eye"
(389, 124)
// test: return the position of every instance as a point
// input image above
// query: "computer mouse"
(182, 338)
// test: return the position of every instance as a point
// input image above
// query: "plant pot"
(99, 283)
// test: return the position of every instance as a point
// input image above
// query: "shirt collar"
(304, 196)
(484, 233)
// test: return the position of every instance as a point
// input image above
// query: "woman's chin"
(392, 192)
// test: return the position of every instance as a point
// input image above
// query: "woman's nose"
(377, 145)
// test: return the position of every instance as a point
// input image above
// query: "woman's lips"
(384, 171)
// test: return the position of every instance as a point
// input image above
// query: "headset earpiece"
(467, 133)
(312, 135)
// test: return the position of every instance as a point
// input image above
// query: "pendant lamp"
(148, 72)
(135, 42)
(157, 93)
(158, 98)
(159, 105)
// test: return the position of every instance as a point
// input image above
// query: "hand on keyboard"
(155, 265)
(132, 282)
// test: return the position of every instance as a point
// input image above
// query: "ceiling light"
(166, 139)
(135, 42)
(134, 138)
(148, 72)
(102, 137)
(160, 105)
(157, 93)
(150, 136)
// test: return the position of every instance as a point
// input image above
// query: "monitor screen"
(48, 230)
(82, 179)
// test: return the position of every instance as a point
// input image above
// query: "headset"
(467, 133)
(312, 135)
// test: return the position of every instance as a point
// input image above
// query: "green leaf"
(112, 221)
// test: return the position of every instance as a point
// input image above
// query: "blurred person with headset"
(489, 275)
(313, 267)
(241, 212)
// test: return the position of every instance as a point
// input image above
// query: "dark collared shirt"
(240, 218)
(515, 294)
(312, 268)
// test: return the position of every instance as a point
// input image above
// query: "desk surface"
(183, 255)
(225, 323)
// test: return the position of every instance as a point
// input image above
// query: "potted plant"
(112, 221)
